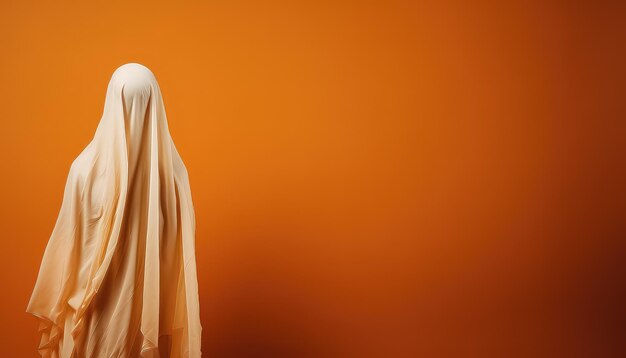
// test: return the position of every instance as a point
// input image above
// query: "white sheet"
(119, 270)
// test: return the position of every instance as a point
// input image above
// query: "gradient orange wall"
(371, 179)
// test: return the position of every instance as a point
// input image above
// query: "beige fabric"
(118, 275)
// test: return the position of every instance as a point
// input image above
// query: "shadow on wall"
(260, 303)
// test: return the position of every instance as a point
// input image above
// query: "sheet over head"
(125, 234)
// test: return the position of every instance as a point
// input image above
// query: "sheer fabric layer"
(118, 275)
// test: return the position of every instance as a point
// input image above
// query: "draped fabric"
(118, 275)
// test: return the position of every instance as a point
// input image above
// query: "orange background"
(371, 179)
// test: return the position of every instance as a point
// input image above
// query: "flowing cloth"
(118, 275)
